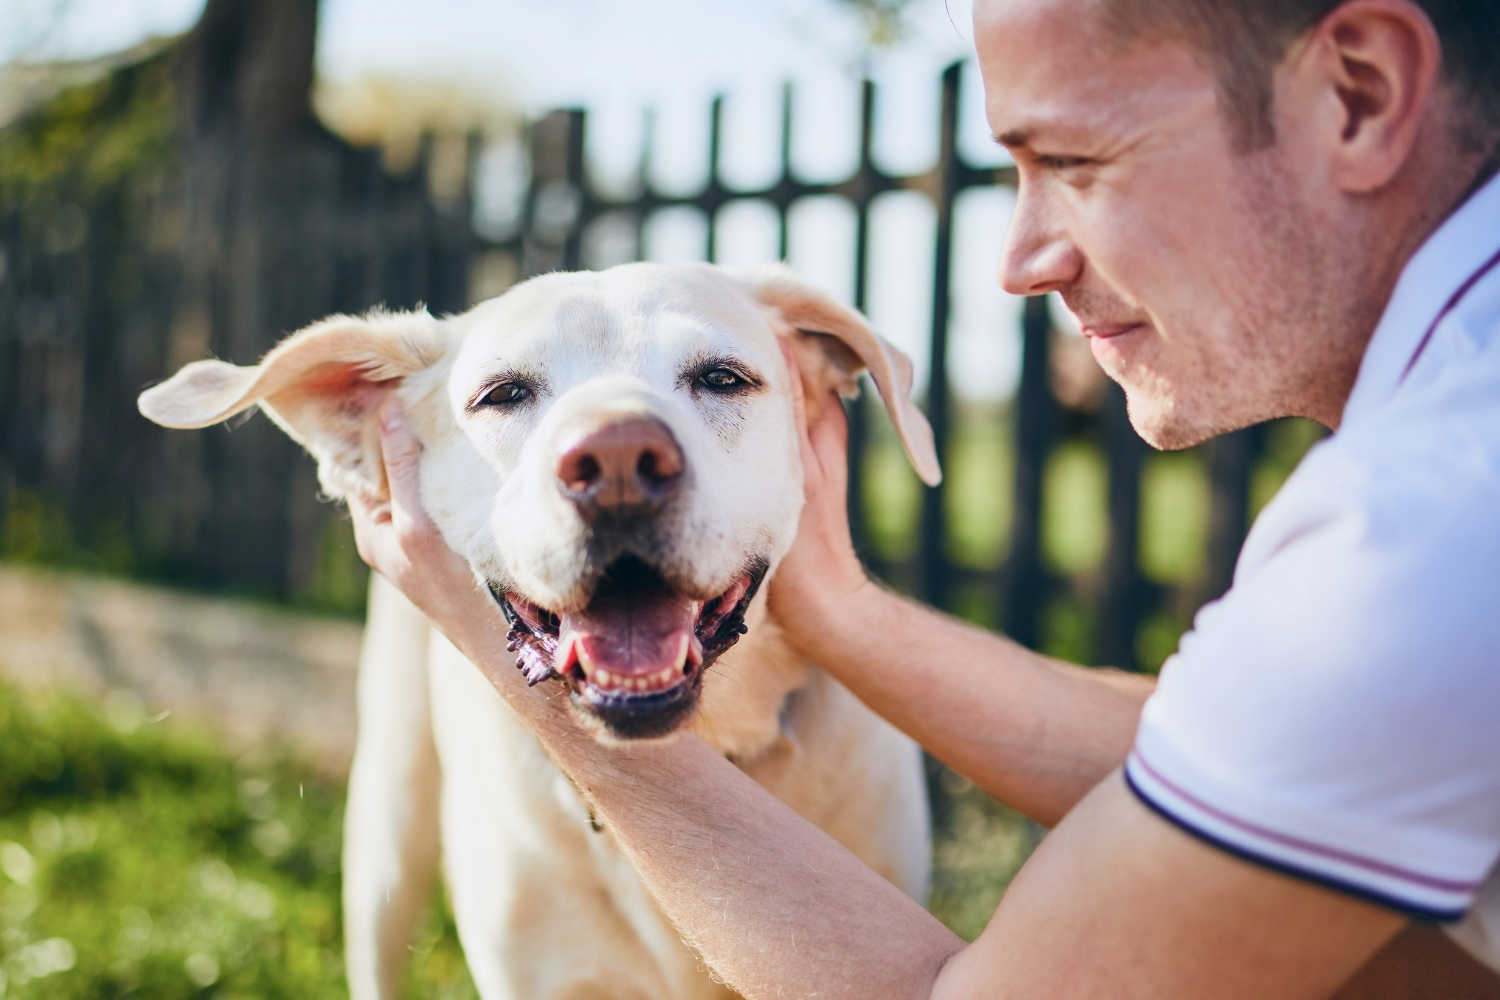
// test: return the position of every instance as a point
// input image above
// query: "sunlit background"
(179, 613)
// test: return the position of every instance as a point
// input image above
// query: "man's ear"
(323, 385)
(834, 344)
(1376, 63)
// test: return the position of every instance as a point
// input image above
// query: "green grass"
(980, 474)
(1075, 515)
(144, 861)
(138, 859)
(978, 846)
(1174, 517)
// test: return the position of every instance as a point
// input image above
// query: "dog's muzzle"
(633, 658)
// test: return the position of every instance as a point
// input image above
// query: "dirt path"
(254, 673)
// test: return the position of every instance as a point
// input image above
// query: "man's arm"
(1034, 732)
(1116, 902)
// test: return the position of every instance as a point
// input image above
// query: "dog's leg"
(391, 821)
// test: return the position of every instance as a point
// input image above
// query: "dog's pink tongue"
(631, 640)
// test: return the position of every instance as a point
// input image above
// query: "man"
(1254, 210)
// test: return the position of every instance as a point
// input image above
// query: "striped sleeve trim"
(1420, 895)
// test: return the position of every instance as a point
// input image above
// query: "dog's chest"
(527, 865)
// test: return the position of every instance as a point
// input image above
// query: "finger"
(828, 441)
(402, 454)
(369, 517)
(833, 423)
(365, 509)
(799, 400)
(812, 460)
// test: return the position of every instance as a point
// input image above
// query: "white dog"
(616, 456)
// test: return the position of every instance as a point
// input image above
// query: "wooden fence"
(103, 294)
(564, 203)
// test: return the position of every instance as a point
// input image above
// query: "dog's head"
(614, 453)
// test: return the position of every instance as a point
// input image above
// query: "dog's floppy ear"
(834, 344)
(323, 385)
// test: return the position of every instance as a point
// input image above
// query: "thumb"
(402, 453)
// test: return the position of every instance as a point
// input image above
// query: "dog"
(616, 456)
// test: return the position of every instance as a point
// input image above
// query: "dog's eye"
(506, 394)
(722, 378)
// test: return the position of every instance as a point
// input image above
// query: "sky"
(619, 57)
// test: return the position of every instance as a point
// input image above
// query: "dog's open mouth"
(634, 656)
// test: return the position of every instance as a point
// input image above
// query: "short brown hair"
(1243, 40)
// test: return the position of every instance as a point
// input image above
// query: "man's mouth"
(1108, 331)
(633, 656)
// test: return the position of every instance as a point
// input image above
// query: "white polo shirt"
(1336, 715)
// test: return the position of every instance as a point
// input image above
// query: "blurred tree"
(247, 67)
(184, 206)
(882, 19)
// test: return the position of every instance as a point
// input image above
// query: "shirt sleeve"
(1336, 715)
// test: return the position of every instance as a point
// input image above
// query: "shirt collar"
(1451, 254)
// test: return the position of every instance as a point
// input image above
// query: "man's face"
(1197, 272)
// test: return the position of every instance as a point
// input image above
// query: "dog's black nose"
(626, 468)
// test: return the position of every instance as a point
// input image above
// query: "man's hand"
(399, 541)
(821, 572)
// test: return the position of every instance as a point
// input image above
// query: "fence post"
(933, 574)
(1124, 596)
(715, 195)
(1025, 579)
(553, 229)
(857, 410)
(1231, 458)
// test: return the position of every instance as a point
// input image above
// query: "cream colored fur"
(545, 904)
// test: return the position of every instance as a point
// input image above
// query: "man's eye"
(1061, 162)
(721, 378)
(506, 394)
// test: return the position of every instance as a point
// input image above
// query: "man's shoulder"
(1436, 436)
(1384, 544)
(1424, 471)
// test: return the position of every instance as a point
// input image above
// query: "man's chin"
(1165, 423)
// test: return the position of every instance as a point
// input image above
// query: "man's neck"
(1448, 182)
(1486, 172)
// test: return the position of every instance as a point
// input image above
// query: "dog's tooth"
(601, 677)
(665, 676)
(682, 652)
(584, 660)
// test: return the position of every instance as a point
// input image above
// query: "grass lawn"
(138, 859)
(143, 861)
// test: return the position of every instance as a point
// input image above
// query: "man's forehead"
(1054, 69)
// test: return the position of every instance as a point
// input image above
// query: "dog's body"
(616, 458)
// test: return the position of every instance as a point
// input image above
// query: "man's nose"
(1037, 257)
(625, 468)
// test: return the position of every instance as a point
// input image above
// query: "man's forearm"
(775, 905)
(1032, 731)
